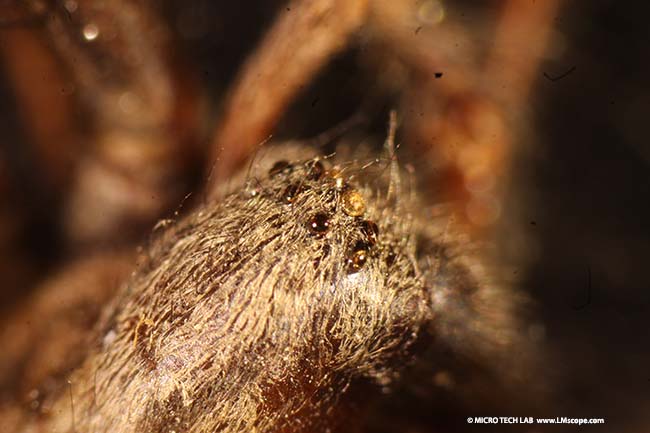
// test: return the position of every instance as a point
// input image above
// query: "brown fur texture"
(47, 336)
(260, 312)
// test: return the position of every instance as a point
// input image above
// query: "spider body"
(258, 313)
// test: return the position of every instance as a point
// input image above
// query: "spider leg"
(302, 39)
(138, 122)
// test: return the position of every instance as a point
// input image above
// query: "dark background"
(592, 215)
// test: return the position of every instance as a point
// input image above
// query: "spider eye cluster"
(342, 203)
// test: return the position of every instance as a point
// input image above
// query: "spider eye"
(279, 167)
(319, 223)
(358, 257)
(371, 231)
(316, 170)
(352, 203)
(290, 193)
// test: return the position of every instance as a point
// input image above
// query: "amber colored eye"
(358, 257)
(353, 203)
(319, 223)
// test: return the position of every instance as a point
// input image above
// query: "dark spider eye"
(279, 167)
(390, 258)
(316, 170)
(319, 223)
(371, 231)
(290, 193)
(353, 203)
(357, 257)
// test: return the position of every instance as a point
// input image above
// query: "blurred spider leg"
(490, 118)
(117, 54)
(407, 42)
(469, 136)
(16, 269)
(303, 38)
(431, 61)
(36, 146)
(43, 100)
(521, 39)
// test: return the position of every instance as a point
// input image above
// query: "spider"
(398, 290)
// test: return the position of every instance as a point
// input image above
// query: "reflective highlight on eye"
(319, 223)
(290, 193)
(358, 257)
